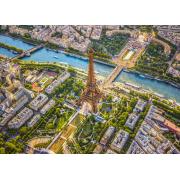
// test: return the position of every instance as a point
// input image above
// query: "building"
(155, 114)
(109, 151)
(52, 86)
(140, 106)
(20, 118)
(18, 94)
(99, 119)
(119, 141)
(166, 148)
(144, 140)
(47, 106)
(6, 117)
(23, 91)
(38, 102)
(20, 103)
(57, 82)
(28, 93)
(151, 140)
(2, 97)
(170, 33)
(131, 121)
(174, 72)
(98, 149)
(34, 120)
(172, 127)
(5, 104)
(107, 135)
(135, 149)
(96, 33)
(65, 75)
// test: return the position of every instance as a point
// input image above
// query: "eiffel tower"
(91, 93)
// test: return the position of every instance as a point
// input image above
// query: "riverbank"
(24, 39)
(2, 57)
(152, 78)
(159, 87)
(60, 65)
(55, 47)
(11, 48)
(86, 58)
(73, 51)
(144, 93)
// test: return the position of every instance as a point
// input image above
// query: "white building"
(174, 72)
(119, 141)
(135, 149)
(107, 135)
(38, 102)
(57, 82)
(131, 121)
(20, 118)
(6, 117)
(47, 106)
(20, 103)
(109, 151)
(34, 120)
(140, 106)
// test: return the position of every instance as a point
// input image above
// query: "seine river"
(45, 55)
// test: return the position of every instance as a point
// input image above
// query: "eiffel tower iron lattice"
(91, 93)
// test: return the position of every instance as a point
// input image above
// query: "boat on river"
(141, 75)
(56, 57)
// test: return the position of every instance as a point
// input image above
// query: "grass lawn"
(153, 61)
(109, 46)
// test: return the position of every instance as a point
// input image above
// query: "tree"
(91, 118)
(109, 98)
(2, 150)
(129, 109)
(50, 126)
(23, 130)
(27, 35)
(1, 135)
(57, 112)
(71, 70)
(76, 89)
(10, 146)
(133, 102)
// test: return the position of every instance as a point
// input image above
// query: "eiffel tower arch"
(91, 93)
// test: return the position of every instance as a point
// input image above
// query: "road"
(172, 59)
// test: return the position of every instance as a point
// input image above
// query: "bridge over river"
(112, 76)
(27, 52)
